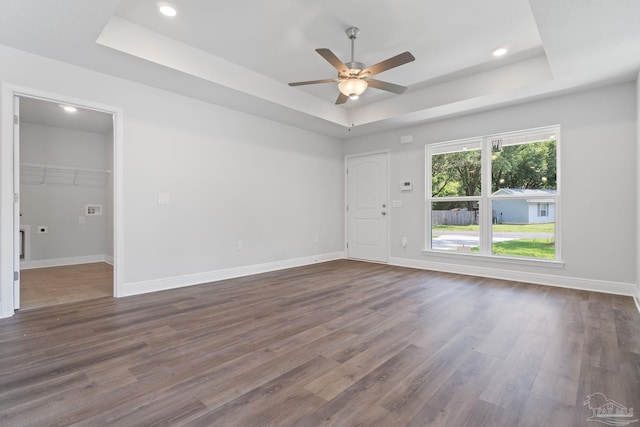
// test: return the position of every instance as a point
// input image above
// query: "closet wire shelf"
(37, 174)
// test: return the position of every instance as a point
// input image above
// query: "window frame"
(485, 200)
(543, 212)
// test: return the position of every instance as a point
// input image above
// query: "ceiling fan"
(354, 78)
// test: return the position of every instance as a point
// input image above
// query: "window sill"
(551, 263)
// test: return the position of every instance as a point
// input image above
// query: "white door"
(367, 207)
(17, 241)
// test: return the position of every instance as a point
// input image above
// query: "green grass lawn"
(505, 228)
(530, 248)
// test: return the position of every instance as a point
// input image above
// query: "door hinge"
(347, 171)
(347, 208)
(347, 245)
(16, 119)
(16, 276)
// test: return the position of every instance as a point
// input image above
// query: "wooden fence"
(453, 217)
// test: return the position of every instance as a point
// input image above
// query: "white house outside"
(528, 208)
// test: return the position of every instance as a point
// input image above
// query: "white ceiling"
(47, 113)
(242, 54)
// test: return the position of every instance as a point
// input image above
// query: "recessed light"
(500, 51)
(69, 108)
(167, 10)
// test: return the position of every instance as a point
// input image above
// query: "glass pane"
(456, 172)
(523, 166)
(454, 226)
(524, 228)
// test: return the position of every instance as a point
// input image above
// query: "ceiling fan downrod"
(354, 67)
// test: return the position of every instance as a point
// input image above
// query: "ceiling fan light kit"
(353, 87)
(354, 77)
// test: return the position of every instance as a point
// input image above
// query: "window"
(543, 209)
(495, 195)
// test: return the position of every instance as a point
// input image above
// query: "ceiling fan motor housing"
(355, 68)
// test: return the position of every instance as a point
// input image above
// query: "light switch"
(163, 199)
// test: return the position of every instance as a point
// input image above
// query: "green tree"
(456, 174)
(522, 166)
(526, 166)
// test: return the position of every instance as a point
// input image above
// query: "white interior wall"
(598, 187)
(59, 207)
(230, 177)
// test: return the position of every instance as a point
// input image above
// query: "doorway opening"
(66, 238)
(20, 256)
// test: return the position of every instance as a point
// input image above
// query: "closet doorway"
(66, 197)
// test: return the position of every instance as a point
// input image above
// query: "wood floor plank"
(353, 368)
(518, 371)
(454, 401)
(484, 414)
(502, 338)
(43, 287)
(342, 343)
(558, 376)
(284, 389)
(410, 395)
(371, 388)
(542, 411)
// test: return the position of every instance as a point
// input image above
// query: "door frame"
(346, 198)
(7, 181)
(16, 204)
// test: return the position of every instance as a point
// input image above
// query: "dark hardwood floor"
(340, 343)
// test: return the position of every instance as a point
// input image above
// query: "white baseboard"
(616, 288)
(59, 262)
(229, 273)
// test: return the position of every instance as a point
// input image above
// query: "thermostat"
(405, 186)
(93, 210)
